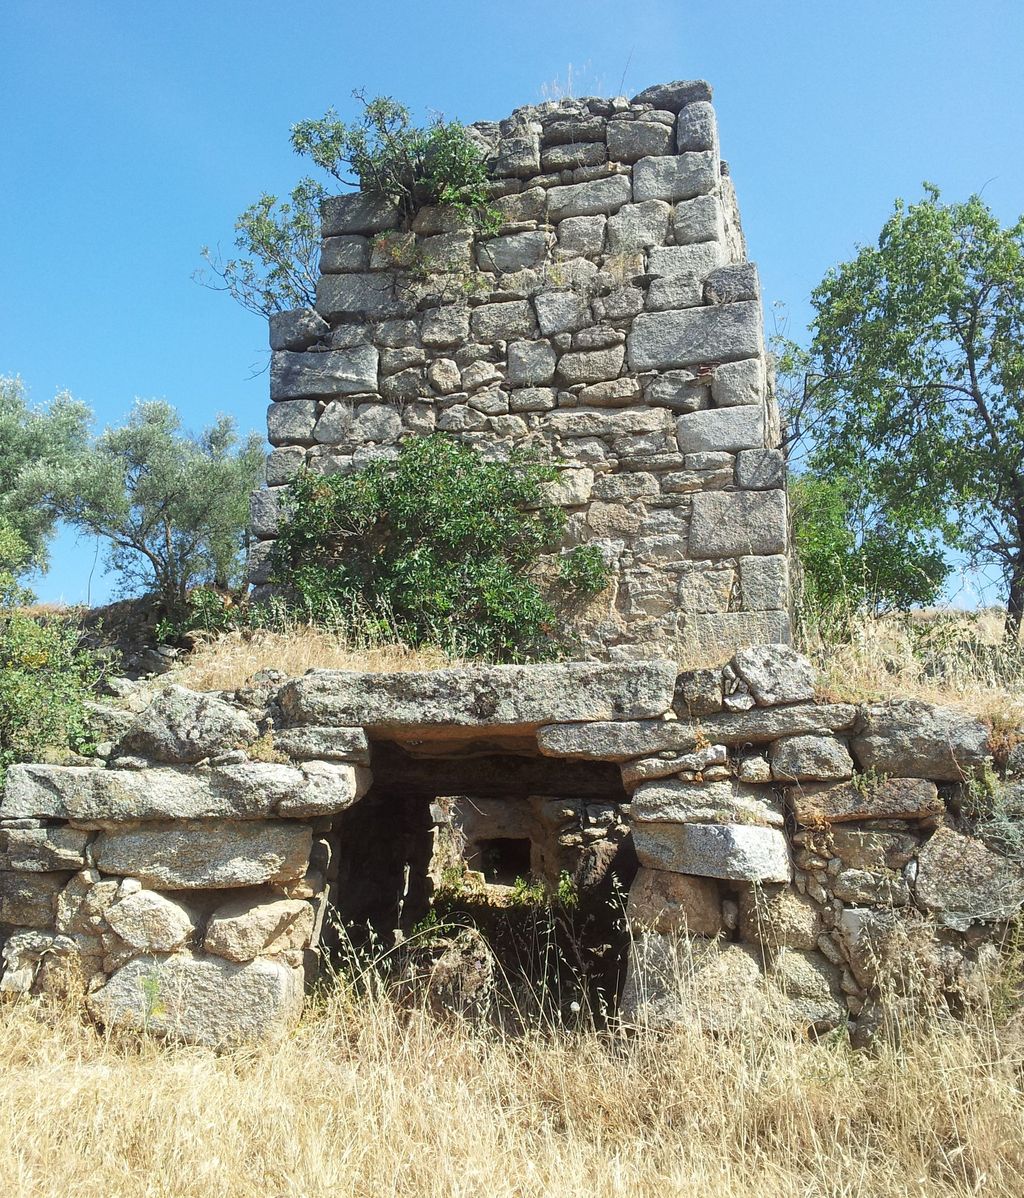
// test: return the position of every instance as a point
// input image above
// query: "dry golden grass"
(227, 662)
(951, 658)
(361, 1101)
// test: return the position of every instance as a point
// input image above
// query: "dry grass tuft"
(362, 1100)
(951, 658)
(227, 662)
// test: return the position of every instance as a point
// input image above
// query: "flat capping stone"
(506, 696)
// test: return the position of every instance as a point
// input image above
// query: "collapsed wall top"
(613, 325)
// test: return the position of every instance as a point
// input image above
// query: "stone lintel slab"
(482, 696)
(96, 798)
(605, 741)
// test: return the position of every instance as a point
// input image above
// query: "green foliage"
(279, 244)
(385, 154)
(14, 557)
(440, 544)
(45, 678)
(853, 560)
(173, 506)
(916, 387)
(31, 439)
(583, 570)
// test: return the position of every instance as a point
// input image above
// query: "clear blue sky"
(134, 133)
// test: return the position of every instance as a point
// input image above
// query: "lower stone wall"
(182, 886)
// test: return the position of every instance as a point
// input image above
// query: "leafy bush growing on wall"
(439, 545)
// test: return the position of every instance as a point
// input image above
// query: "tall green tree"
(915, 394)
(32, 439)
(173, 506)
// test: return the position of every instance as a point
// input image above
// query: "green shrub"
(440, 545)
(45, 678)
(391, 157)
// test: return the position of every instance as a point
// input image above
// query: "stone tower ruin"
(613, 326)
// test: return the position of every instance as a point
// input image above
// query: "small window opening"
(503, 860)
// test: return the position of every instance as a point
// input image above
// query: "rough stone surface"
(660, 901)
(297, 329)
(29, 900)
(964, 882)
(737, 851)
(189, 855)
(660, 340)
(259, 924)
(151, 922)
(725, 801)
(181, 726)
(250, 790)
(776, 674)
(876, 798)
(779, 917)
(674, 177)
(916, 740)
(42, 849)
(316, 376)
(493, 695)
(201, 1000)
(734, 523)
(810, 758)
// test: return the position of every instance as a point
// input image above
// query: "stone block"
(661, 340)
(736, 383)
(629, 141)
(29, 900)
(561, 312)
(297, 329)
(504, 322)
(697, 129)
(201, 1000)
(732, 284)
(694, 261)
(886, 798)
(679, 390)
(916, 740)
(324, 743)
(568, 156)
(518, 156)
(775, 674)
(560, 130)
(488, 696)
(283, 463)
(671, 97)
(516, 251)
(259, 924)
(637, 226)
(265, 511)
(447, 252)
(582, 234)
(608, 422)
(445, 327)
(675, 177)
(962, 881)
(181, 726)
(775, 917)
(720, 430)
(698, 693)
(151, 922)
(532, 399)
(646, 769)
(731, 524)
(612, 393)
(724, 802)
(730, 851)
(810, 759)
(376, 423)
(699, 219)
(341, 254)
(591, 366)
(292, 422)
(807, 987)
(661, 901)
(193, 854)
(249, 790)
(42, 849)
(760, 469)
(357, 294)
(673, 291)
(604, 741)
(358, 213)
(601, 196)
(764, 583)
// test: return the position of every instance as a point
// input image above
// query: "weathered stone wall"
(184, 885)
(614, 326)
